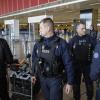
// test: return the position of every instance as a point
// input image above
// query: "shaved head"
(49, 22)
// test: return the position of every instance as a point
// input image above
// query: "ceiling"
(62, 14)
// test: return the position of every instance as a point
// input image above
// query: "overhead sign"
(37, 19)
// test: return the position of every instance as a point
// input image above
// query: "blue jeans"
(52, 88)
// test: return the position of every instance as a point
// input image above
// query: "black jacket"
(6, 56)
(82, 48)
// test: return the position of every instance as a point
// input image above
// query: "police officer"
(51, 56)
(95, 70)
(93, 32)
(82, 46)
(5, 58)
(95, 65)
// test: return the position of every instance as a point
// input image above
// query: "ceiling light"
(98, 24)
(94, 4)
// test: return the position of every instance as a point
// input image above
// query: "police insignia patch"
(96, 55)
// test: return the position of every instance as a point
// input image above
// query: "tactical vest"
(49, 64)
(82, 52)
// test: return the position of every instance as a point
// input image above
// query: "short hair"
(48, 21)
(77, 24)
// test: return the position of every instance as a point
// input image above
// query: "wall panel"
(33, 3)
(20, 4)
(10, 5)
(15, 5)
(43, 2)
(7, 6)
(26, 3)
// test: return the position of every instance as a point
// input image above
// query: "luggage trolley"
(21, 85)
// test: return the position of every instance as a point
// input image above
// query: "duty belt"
(50, 75)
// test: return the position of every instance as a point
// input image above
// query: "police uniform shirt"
(95, 66)
(61, 51)
(78, 47)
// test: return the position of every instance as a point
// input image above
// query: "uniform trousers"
(78, 71)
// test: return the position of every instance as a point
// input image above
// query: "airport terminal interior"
(19, 26)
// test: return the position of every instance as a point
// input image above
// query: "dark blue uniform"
(82, 48)
(51, 84)
(95, 66)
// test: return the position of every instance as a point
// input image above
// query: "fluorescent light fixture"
(60, 22)
(98, 24)
(45, 8)
(37, 19)
(95, 4)
(9, 21)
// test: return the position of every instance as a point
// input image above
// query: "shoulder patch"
(96, 55)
